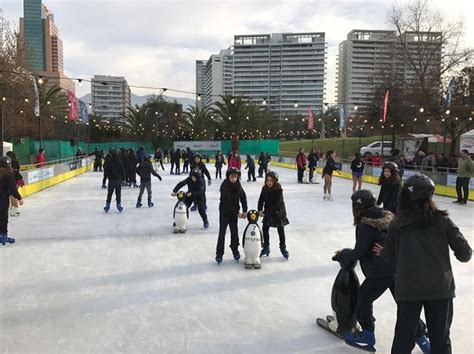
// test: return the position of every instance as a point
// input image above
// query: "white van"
(376, 146)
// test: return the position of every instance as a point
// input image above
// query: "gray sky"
(156, 43)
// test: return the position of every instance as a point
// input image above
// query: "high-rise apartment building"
(111, 96)
(200, 72)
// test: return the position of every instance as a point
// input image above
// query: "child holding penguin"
(232, 194)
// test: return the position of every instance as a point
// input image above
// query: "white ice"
(80, 280)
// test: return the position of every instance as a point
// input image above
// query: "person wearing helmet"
(251, 169)
(145, 170)
(219, 162)
(7, 188)
(398, 161)
(390, 184)
(196, 193)
(371, 225)
(229, 210)
(357, 167)
(272, 207)
(131, 162)
(418, 244)
(114, 171)
(201, 166)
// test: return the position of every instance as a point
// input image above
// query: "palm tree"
(136, 121)
(199, 121)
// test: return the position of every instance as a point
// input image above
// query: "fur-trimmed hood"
(381, 223)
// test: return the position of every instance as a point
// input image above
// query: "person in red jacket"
(40, 158)
(234, 160)
(377, 160)
(301, 164)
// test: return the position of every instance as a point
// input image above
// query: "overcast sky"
(155, 43)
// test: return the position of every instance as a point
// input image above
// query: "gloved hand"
(159, 177)
(189, 194)
(173, 194)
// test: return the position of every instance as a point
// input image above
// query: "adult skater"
(172, 161)
(106, 160)
(201, 166)
(184, 155)
(357, 167)
(98, 160)
(114, 171)
(15, 165)
(196, 193)
(301, 164)
(159, 158)
(371, 226)
(272, 207)
(145, 170)
(328, 170)
(397, 159)
(313, 159)
(418, 244)
(251, 169)
(465, 172)
(390, 184)
(131, 162)
(7, 189)
(234, 160)
(219, 163)
(177, 162)
(141, 154)
(231, 194)
(262, 164)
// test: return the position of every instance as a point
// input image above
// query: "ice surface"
(80, 280)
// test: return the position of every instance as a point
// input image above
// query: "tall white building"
(366, 58)
(287, 70)
(200, 67)
(110, 96)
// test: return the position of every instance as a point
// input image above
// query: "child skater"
(231, 194)
(196, 193)
(371, 226)
(328, 170)
(145, 170)
(7, 188)
(418, 244)
(272, 207)
(219, 162)
(357, 167)
(251, 167)
(390, 187)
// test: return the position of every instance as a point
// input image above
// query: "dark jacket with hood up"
(272, 204)
(231, 195)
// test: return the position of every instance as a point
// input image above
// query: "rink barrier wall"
(440, 189)
(42, 178)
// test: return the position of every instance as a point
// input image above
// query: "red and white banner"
(73, 106)
(310, 119)
(385, 105)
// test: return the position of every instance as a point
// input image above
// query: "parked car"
(376, 146)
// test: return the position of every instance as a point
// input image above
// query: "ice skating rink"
(82, 281)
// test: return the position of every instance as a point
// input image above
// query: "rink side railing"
(445, 183)
(39, 179)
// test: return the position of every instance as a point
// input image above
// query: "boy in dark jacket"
(272, 207)
(219, 163)
(196, 193)
(231, 194)
(115, 173)
(201, 166)
(390, 187)
(145, 170)
(131, 162)
(251, 167)
(418, 246)
(313, 158)
(371, 227)
(262, 164)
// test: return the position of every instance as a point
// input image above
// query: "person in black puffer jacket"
(390, 187)
(251, 169)
(131, 162)
(357, 167)
(371, 227)
(313, 159)
(232, 194)
(145, 170)
(114, 171)
(418, 245)
(272, 207)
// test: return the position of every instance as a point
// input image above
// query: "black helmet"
(114, 151)
(198, 155)
(272, 174)
(419, 187)
(252, 216)
(196, 172)
(181, 195)
(363, 199)
(392, 166)
(232, 170)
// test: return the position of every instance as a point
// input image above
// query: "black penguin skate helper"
(180, 214)
(252, 241)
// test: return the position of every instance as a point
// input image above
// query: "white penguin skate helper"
(305, 176)
(252, 241)
(180, 214)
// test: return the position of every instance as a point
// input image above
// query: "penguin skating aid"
(180, 214)
(252, 241)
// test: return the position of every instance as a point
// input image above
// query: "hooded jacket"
(196, 188)
(145, 170)
(388, 195)
(231, 195)
(272, 204)
(113, 169)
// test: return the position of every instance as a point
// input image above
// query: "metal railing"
(50, 163)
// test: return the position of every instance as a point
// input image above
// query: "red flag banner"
(310, 119)
(385, 105)
(73, 109)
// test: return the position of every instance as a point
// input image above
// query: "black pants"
(300, 174)
(186, 166)
(219, 171)
(262, 168)
(281, 234)
(311, 173)
(172, 167)
(370, 290)
(115, 185)
(462, 185)
(97, 166)
(251, 174)
(143, 185)
(225, 220)
(177, 169)
(161, 163)
(439, 316)
(4, 206)
(201, 205)
(132, 176)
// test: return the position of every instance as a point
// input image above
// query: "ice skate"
(150, 204)
(219, 259)
(284, 252)
(5, 239)
(329, 197)
(265, 251)
(424, 344)
(14, 212)
(119, 207)
(364, 340)
(107, 207)
(206, 224)
(236, 255)
(139, 204)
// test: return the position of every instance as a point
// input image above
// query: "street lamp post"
(2, 102)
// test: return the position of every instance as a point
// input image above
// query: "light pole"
(2, 103)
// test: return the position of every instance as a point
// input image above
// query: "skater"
(98, 160)
(313, 158)
(7, 189)
(301, 164)
(172, 161)
(189, 159)
(177, 162)
(234, 160)
(196, 193)
(262, 164)
(371, 226)
(141, 154)
(41, 158)
(231, 194)
(145, 170)
(357, 167)
(390, 184)
(272, 207)
(159, 158)
(418, 244)
(251, 167)
(15, 165)
(397, 159)
(465, 172)
(106, 160)
(328, 170)
(184, 155)
(114, 171)
(131, 162)
(219, 162)
(198, 164)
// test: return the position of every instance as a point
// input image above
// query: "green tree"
(199, 122)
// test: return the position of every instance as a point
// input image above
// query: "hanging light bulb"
(356, 108)
(79, 81)
(4, 98)
(40, 80)
(232, 101)
(296, 104)
(422, 110)
(27, 100)
(199, 97)
(264, 101)
(448, 111)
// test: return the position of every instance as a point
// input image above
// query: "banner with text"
(198, 145)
